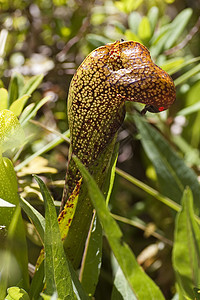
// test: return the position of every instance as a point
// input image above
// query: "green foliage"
(127, 261)
(56, 266)
(41, 45)
(186, 250)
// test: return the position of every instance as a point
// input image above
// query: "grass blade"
(126, 259)
(37, 219)
(173, 174)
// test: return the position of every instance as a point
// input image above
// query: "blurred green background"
(52, 38)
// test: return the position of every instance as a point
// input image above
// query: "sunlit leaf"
(144, 29)
(3, 98)
(11, 132)
(16, 293)
(18, 105)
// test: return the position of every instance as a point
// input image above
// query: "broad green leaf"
(11, 132)
(3, 98)
(16, 293)
(121, 289)
(186, 250)
(91, 263)
(31, 85)
(18, 105)
(187, 75)
(125, 257)
(173, 175)
(9, 193)
(37, 219)
(144, 29)
(177, 27)
(56, 266)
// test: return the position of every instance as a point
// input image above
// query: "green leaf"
(14, 260)
(56, 266)
(31, 85)
(13, 89)
(91, 263)
(53, 297)
(153, 15)
(186, 250)
(173, 174)
(37, 219)
(121, 289)
(177, 27)
(11, 132)
(125, 257)
(37, 283)
(31, 111)
(144, 29)
(78, 288)
(16, 293)
(110, 178)
(187, 75)
(18, 105)
(134, 20)
(190, 109)
(185, 63)
(172, 63)
(3, 98)
(12, 215)
(4, 203)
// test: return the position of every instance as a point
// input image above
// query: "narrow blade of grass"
(125, 257)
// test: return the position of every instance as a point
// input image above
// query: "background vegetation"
(52, 37)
